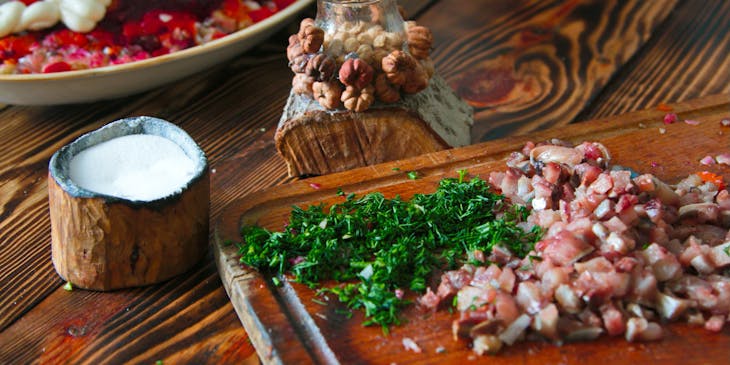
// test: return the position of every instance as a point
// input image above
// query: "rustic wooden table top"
(523, 65)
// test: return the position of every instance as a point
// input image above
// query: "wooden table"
(524, 65)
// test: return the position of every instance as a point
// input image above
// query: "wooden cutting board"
(286, 326)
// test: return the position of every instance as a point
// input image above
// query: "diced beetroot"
(14, 47)
(56, 67)
(132, 31)
(65, 38)
(260, 14)
(281, 4)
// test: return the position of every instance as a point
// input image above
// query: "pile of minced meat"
(621, 254)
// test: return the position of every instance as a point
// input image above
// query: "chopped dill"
(374, 246)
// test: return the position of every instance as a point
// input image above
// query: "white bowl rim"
(254, 29)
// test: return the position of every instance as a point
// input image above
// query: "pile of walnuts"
(358, 65)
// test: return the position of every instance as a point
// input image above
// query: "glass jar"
(359, 52)
(366, 29)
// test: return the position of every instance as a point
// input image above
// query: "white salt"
(136, 167)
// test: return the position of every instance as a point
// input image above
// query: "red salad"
(131, 30)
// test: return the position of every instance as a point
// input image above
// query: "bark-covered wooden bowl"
(106, 242)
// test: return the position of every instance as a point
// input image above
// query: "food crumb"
(692, 122)
(725, 122)
(642, 125)
(670, 118)
(68, 286)
(440, 350)
(262, 129)
(213, 171)
(723, 159)
(411, 345)
(654, 164)
(315, 186)
(662, 130)
(707, 160)
(664, 107)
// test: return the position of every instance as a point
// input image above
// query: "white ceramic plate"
(120, 80)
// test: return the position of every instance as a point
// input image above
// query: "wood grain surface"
(287, 325)
(659, 51)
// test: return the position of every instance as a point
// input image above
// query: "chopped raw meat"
(618, 256)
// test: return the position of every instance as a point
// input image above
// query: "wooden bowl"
(102, 242)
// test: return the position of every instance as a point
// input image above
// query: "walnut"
(365, 53)
(299, 63)
(385, 91)
(327, 93)
(356, 72)
(351, 44)
(358, 100)
(306, 22)
(321, 67)
(397, 65)
(377, 60)
(294, 49)
(365, 38)
(416, 80)
(335, 47)
(420, 41)
(302, 84)
(311, 38)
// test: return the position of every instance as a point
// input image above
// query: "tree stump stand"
(316, 141)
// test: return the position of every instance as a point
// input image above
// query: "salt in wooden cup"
(104, 241)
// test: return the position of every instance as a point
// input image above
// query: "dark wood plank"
(231, 111)
(286, 325)
(686, 58)
(529, 65)
(185, 320)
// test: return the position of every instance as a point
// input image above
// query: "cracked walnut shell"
(327, 93)
(294, 49)
(321, 67)
(420, 41)
(385, 91)
(416, 80)
(356, 72)
(358, 100)
(311, 38)
(397, 65)
(302, 84)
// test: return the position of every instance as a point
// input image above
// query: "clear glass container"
(366, 29)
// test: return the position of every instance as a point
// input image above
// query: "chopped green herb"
(68, 286)
(396, 169)
(276, 281)
(726, 250)
(373, 245)
(413, 175)
(158, 362)
(320, 302)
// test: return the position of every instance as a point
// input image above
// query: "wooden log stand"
(316, 141)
